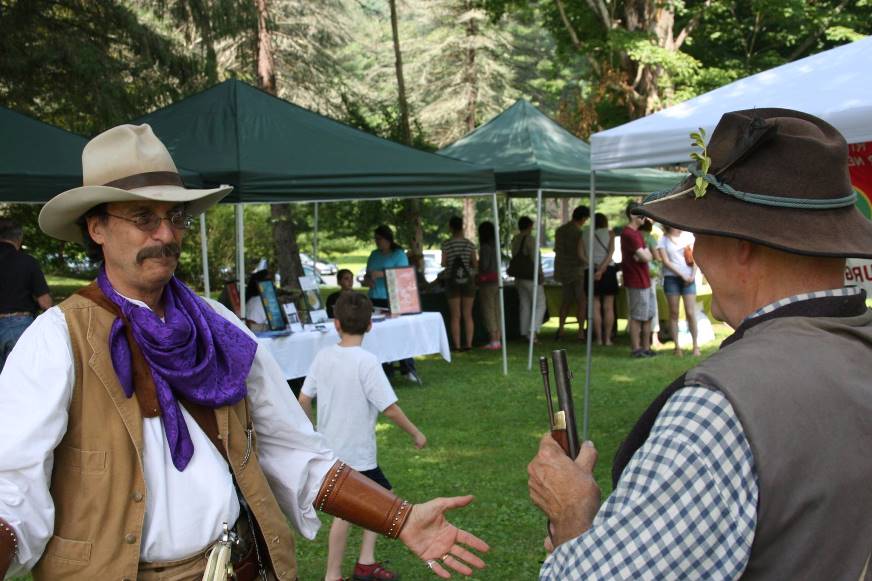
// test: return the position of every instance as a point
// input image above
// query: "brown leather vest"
(98, 485)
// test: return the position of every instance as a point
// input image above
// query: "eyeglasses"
(150, 222)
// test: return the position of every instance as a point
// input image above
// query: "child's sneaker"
(374, 572)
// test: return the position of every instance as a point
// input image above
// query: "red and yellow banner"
(859, 272)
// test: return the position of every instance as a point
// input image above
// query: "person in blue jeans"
(23, 289)
(387, 254)
(675, 250)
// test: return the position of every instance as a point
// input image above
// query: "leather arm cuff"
(351, 496)
(8, 546)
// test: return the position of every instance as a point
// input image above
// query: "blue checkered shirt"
(686, 504)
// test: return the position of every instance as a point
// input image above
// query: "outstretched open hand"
(442, 545)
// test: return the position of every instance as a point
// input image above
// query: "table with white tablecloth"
(390, 340)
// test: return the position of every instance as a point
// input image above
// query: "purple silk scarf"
(194, 354)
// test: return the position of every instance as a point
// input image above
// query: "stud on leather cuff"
(351, 496)
(8, 546)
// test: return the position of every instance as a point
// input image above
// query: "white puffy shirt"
(184, 510)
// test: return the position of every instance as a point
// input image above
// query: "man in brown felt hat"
(145, 435)
(756, 462)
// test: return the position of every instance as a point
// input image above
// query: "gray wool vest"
(802, 388)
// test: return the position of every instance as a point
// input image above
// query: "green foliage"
(703, 162)
(88, 65)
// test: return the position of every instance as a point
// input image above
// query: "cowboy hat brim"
(840, 232)
(59, 216)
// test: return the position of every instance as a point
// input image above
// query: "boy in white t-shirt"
(352, 390)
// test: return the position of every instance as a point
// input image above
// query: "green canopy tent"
(273, 151)
(37, 160)
(529, 152)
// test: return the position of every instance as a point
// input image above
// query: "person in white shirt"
(675, 252)
(143, 428)
(352, 389)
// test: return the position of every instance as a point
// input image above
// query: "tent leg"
(498, 249)
(535, 279)
(315, 237)
(204, 255)
(585, 424)
(240, 257)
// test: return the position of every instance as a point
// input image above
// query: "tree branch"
(572, 34)
(690, 26)
(806, 44)
(600, 9)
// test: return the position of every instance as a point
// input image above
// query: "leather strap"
(143, 383)
(151, 178)
(351, 496)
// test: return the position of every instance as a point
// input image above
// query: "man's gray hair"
(10, 230)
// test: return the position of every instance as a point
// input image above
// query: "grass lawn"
(483, 428)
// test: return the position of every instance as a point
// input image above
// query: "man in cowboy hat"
(141, 423)
(755, 463)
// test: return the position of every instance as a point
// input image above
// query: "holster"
(351, 496)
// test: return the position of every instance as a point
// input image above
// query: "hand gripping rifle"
(562, 421)
(563, 428)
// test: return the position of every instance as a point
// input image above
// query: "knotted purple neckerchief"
(194, 354)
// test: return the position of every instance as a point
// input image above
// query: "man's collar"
(841, 302)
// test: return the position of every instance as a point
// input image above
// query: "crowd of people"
(470, 274)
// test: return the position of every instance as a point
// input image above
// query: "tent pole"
(535, 278)
(204, 255)
(240, 257)
(499, 251)
(315, 238)
(585, 425)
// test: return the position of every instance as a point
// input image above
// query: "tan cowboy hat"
(124, 164)
(778, 178)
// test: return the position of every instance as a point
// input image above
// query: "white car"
(321, 266)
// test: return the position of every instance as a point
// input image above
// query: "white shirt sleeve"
(376, 387)
(294, 457)
(310, 383)
(35, 390)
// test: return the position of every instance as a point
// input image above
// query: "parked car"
(548, 266)
(322, 266)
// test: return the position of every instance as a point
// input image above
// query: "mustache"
(171, 250)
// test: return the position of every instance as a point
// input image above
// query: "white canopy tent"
(835, 85)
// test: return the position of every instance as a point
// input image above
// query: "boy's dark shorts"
(377, 476)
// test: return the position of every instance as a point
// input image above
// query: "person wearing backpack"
(521, 268)
(460, 262)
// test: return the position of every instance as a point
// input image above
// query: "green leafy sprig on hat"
(704, 162)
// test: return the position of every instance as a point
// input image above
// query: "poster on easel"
(314, 303)
(403, 296)
(274, 314)
(293, 317)
(858, 271)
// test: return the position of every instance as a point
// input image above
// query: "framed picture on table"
(402, 284)
(274, 314)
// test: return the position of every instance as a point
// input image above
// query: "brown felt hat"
(777, 177)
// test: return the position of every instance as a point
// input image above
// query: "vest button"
(130, 538)
(126, 579)
(137, 496)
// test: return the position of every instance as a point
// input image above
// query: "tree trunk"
(469, 226)
(412, 207)
(284, 232)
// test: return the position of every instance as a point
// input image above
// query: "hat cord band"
(777, 201)
(143, 180)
